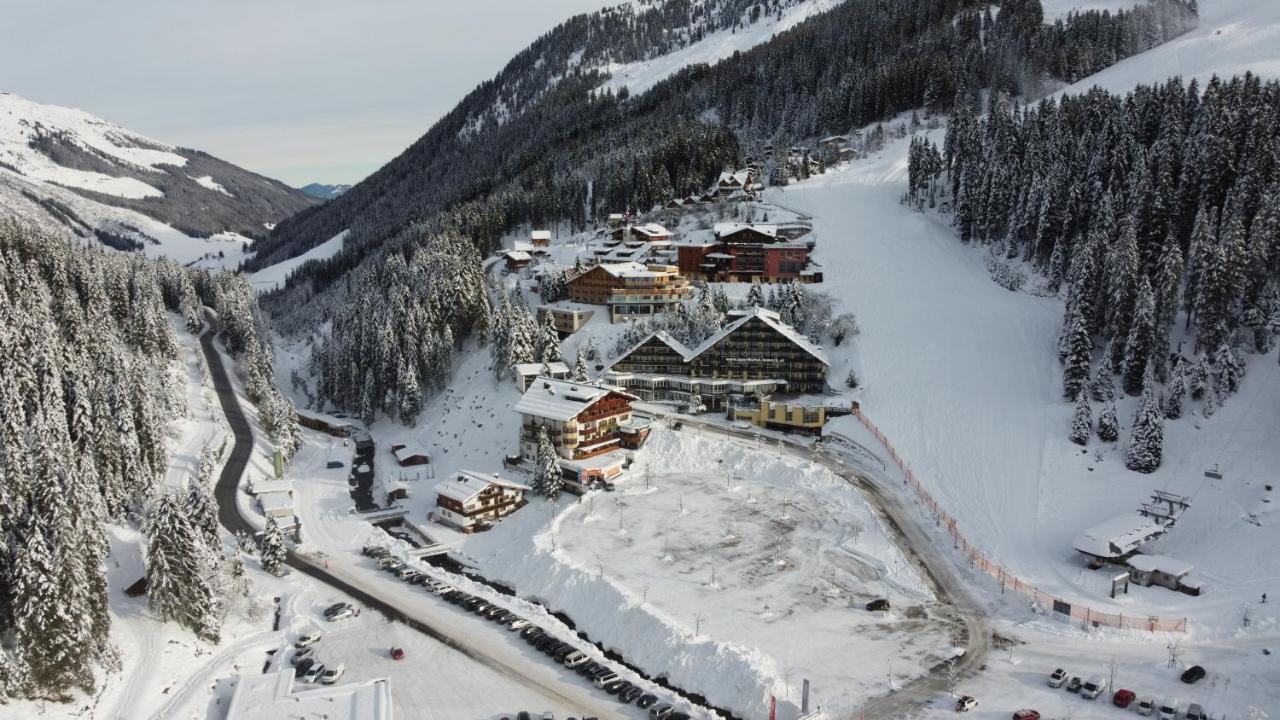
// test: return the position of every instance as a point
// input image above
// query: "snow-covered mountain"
(69, 170)
(321, 191)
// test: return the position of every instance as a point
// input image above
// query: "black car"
(613, 687)
(600, 673)
(480, 608)
(1193, 674)
(1074, 684)
(334, 608)
(619, 688)
(646, 700)
(564, 652)
(524, 715)
(588, 667)
(529, 631)
(678, 716)
(878, 605)
(303, 666)
(630, 694)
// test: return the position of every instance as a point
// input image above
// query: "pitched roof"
(729, 228)
(773, 320)
(466, 484)
(561, 399)
(540, 235)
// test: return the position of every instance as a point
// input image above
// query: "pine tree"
(1229, 371)
(1139, 347)
(1079, 354)
(1147, 439)
(755, 296)
(1103, 387)
(1082, 421)
(547, 478)
(1108, 424)
(203, 511)
(273, 547)
(580, 368)
(1199, 378)
(410, 398)
(1177, 390)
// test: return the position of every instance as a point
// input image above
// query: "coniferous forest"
(1157, 213)
(87, 394)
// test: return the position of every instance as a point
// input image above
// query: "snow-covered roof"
(773, 320)
(532, 369)
(1118, 536)
(729, 228)
(518, 255)
(464, 485)
(272, 486)
(1160, 563)
(275, 501)
(540, 234)
(737, 176)
(561, 399)
(409, 451)
(522, 246)
(651, 230)
(271, 696)
(631, 269)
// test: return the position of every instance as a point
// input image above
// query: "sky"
(319, 91)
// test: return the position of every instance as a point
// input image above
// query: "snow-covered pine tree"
(1139, 347)
(1198, 380)
(202, 511)
(273, 552)
(1108, 423)
(1229, 369)
(1146, 442)
(410, 398)
(1103, 386)
(1174, 394)
(580, 367)
(1082, 420)
(546, 471)
(1079, 354)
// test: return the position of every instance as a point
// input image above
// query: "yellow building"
(789, 417)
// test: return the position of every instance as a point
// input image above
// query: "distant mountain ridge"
(68, 170)
(321, 191)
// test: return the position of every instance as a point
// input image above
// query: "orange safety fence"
(1008, 580)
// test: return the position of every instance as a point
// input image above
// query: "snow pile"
(23, 122)
(639, 77)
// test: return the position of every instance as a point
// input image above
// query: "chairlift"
(1213, 472)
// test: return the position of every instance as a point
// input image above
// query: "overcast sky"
(317, 91)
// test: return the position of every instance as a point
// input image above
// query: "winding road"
(226, 493)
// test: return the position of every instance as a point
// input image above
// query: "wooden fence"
(1008, 580)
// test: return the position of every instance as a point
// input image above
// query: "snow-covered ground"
(1233, 37)
(273, 276)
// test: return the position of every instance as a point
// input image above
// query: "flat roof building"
(272, 696)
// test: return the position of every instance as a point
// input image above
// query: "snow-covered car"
(1057, 678)
(1146, 705)
(519, 624)
(307, 640)
(966, 703)
(331, 674)
(313, 672)
(302, 654)
(1168, 709)
(344, 613)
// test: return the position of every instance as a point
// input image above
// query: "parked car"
(1057, 678)
(1026, 715)
(397, 653)
(878, 605)
(1195, 712)
(678, 716)
(301, 655)
(966, 703)
(630, 695)
(523, 715)
(646, 700)
(307, 640)
(333, 464)
(586, 668)
(331, 674)
(606, 679)
(1146, 705)
(1093, 687)
(548, 716)
(388, 563)
(369, 550)
(529, 631)
(1169, 709)
(301, 668)
(313, 672)
(617, 686)
(519, 624)
(659, 712)
(575, 658)
(1193, 674)
(335, 608)
(346, 612)
(1123, 698)
(1074, 684)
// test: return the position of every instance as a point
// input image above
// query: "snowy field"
(273, 276)
(732, 571)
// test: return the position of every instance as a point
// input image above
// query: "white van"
(1169, 708)
(575, 659)
(606, 679)
(1195, 712)
(1093, 687)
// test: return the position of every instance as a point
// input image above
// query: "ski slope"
(1234, 37)
(641, 76)
(963, 377)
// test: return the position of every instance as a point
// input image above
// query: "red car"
(1026, 715)
(1122, 698)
